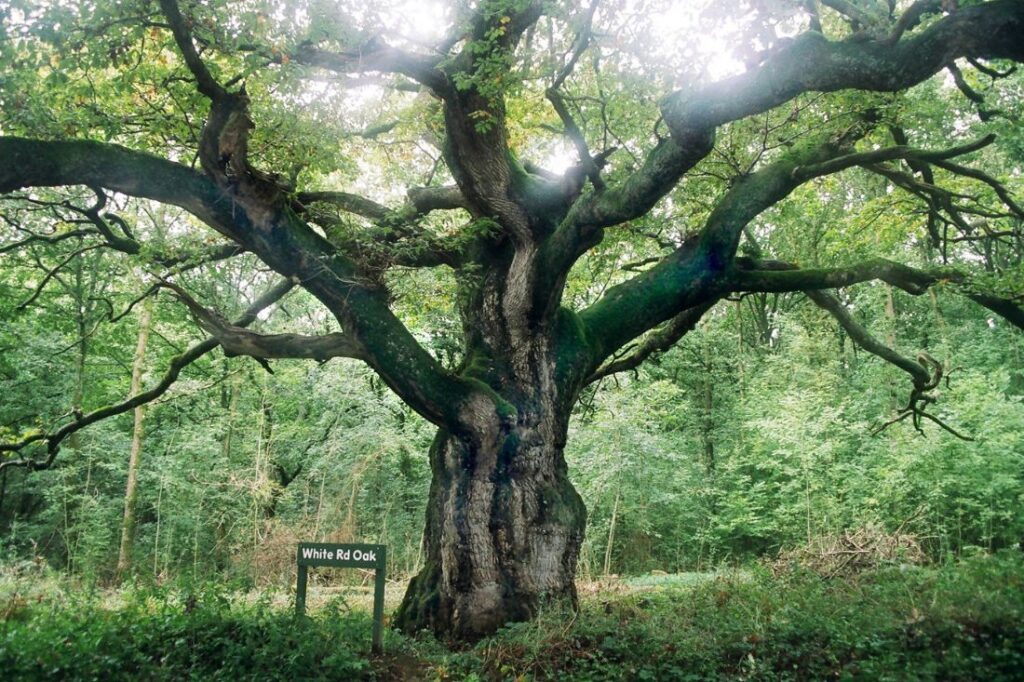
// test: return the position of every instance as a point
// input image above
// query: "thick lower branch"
(1005, 308)
(39, 163)
(375, 56)
(926, 373)
(777, 276)
(657, 342)
(863, 338)
(774, 276)
(697, 271)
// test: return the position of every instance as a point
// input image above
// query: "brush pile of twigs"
(851, 552)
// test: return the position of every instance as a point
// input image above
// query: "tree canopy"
(497, 204)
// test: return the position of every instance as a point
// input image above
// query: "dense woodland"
(755, 433)
(598, 290)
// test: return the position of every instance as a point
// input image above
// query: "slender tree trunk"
(707, 421)
(81, 352)
(890, 339)
(228, 401)
(124, 555)
(156, 540)
(611, 533)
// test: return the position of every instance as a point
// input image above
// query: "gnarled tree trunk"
(504, 529)
(504, 524)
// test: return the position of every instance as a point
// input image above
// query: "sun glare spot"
(422, 22)
(711, 51)
(562, 158)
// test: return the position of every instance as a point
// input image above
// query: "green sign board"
(344, 556)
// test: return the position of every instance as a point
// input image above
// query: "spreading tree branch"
(778, 276)
(271, 231)
(53, 439)
(696, 271)
(205, 82)
(375, 56)
(809, 63)
(236, 340)
(657, 341)
(40, 163)
(925, 373)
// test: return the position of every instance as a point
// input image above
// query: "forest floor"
(960, 620)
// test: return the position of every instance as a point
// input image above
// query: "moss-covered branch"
(656, 342)
(236, 340)
(773, 276)
(43, 163)
(777, 276)
(694, 273)
(808, 63)
(267, 228)
(813, 63)
(925, 371)
(373, 56)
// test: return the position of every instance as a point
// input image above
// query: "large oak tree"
(217, 108)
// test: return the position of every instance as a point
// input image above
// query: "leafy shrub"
(962, 621)
(201, 635)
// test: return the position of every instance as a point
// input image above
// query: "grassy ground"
(962, 621)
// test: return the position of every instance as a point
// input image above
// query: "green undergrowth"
(190, 635)
(959, 621)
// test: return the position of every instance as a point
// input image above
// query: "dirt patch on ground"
(401, 667)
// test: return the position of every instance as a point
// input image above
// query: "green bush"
(201, 635)
(961, 621)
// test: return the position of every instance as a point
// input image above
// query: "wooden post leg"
(300, 592)
(378, 604)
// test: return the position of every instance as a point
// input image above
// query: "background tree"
(244, 117)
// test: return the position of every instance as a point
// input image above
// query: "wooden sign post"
(344, 556)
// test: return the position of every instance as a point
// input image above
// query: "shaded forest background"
(758, 432)
(798, 430)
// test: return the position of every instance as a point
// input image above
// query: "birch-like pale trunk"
(131, 493)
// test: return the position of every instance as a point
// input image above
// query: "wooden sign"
(344, 556)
